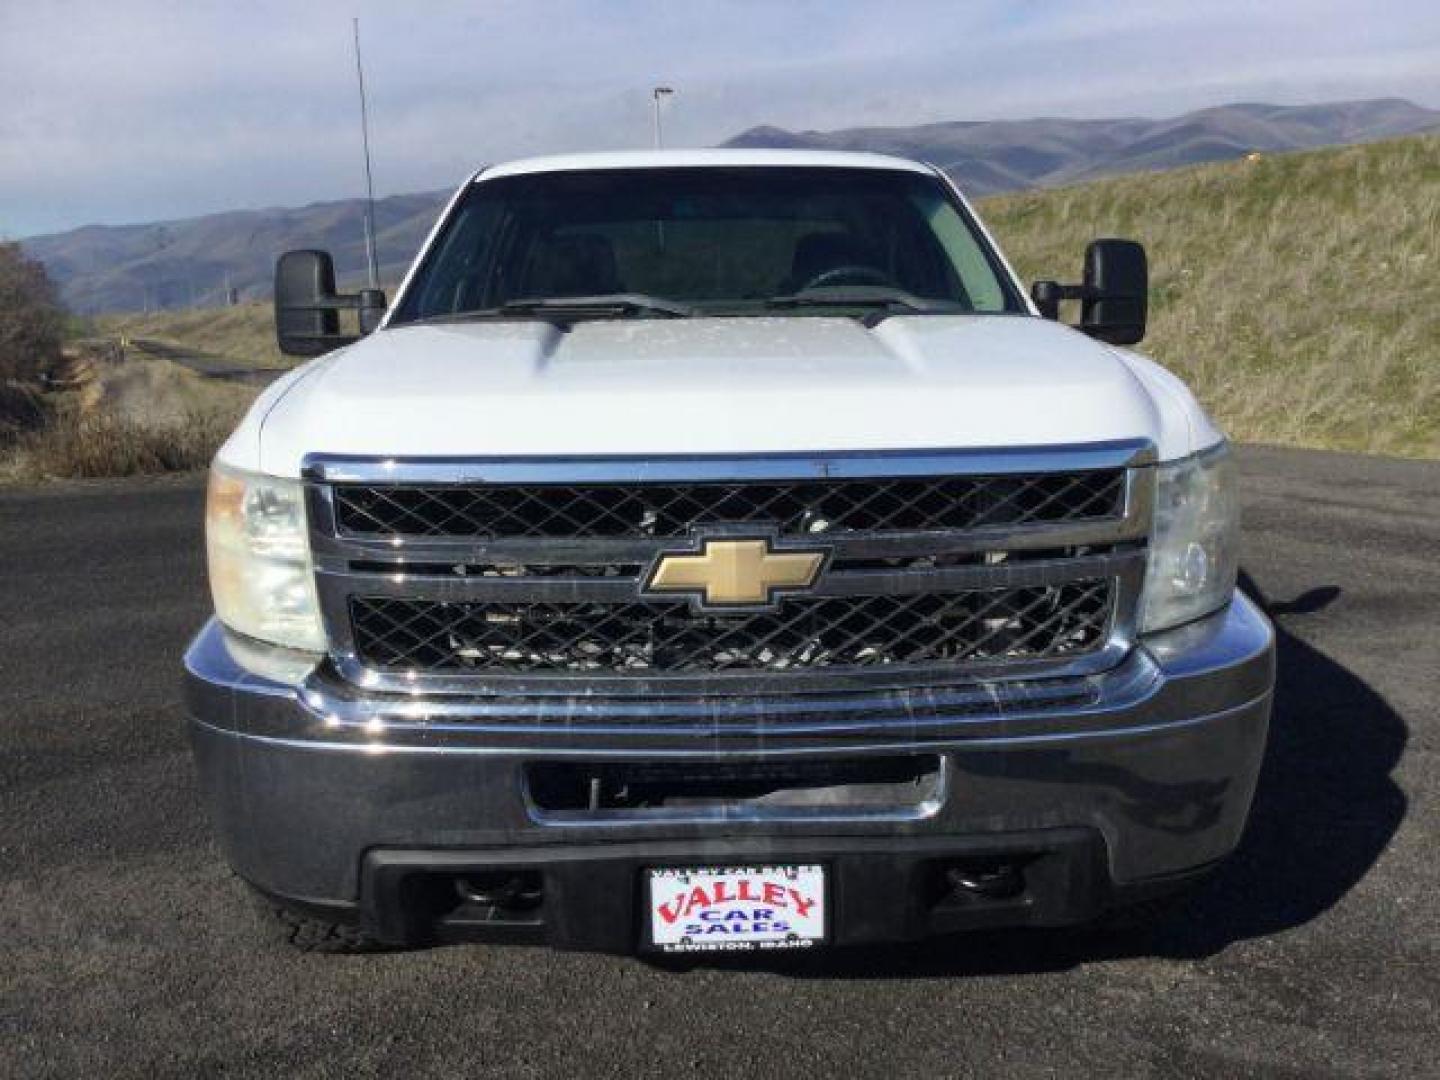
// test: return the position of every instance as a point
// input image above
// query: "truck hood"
(715, 386)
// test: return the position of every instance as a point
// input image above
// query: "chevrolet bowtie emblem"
(735, 572)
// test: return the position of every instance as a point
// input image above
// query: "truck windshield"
(652, 243)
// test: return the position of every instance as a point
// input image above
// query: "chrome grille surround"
(893, 569)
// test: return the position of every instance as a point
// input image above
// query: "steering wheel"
(859, 275)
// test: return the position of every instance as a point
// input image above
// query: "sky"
(117, 112)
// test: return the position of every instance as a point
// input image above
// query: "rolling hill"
(191, 262)
(1009, 155)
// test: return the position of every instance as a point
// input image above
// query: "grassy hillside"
(1297, 294)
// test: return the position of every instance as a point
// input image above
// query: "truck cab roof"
(723, 158)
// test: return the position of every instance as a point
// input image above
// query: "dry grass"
(244, 333)
(75, 445)
(1295, 294)
(140, 416)
(22, 409)
(156, 393)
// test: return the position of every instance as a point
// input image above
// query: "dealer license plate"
(736, 908)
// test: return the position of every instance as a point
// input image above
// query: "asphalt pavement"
(127, 950)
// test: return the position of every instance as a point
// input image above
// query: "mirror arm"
(339, 302)
(1048, 294)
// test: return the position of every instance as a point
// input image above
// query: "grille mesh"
(642, 639)
(660, 510)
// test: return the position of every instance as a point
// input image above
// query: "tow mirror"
(307, 307)
(1114, 295)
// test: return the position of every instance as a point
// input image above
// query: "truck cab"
(721, 550)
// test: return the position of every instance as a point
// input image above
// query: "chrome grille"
(633, 510)
(479, 576)
(1035, 622)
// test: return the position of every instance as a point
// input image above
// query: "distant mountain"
(192, 261)
(1004, 155)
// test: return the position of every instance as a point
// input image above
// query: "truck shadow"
(1324, 810)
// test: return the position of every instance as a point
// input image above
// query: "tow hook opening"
(984, 880)
(504, 890)
(440, 906)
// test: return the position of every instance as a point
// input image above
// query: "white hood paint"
(716, 386)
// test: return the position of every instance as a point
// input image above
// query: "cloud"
(153, 109)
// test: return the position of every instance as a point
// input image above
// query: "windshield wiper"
(606, 304)
(868, 296)
(568, 308)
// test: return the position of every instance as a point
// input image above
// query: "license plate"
(737, 908)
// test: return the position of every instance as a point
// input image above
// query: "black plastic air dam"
(881, 889)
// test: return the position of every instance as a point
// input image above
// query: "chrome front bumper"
(308, 777)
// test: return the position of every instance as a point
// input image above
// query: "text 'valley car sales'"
(739, 907)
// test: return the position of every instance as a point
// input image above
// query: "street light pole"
(657, 94)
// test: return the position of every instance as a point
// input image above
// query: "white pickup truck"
(719, 550)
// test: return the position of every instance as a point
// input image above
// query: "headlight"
(260, 573)
(1194, 546)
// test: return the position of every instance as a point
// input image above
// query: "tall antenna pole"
(369, 182)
